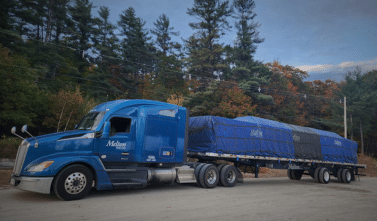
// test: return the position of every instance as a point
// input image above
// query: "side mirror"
(106, 130)
(13, 130)
(24, 128)
(76, 126)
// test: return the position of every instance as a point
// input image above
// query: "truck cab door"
(117, 149)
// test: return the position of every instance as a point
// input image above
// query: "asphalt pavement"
(255, 199)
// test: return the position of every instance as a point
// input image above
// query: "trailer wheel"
(229, 176)
(346, 176)
(197, 171)
(73, 182)
(296, 174)
(289, 173)
(219, 168)
(324, 175)
(208, 176)
(316, 174)
(339, 175)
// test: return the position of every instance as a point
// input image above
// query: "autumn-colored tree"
(289, 93)
(322, 93)
(234, 103)
(66, 109)
(223, 99)
(176, 99)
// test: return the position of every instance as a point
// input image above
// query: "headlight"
(40, 167)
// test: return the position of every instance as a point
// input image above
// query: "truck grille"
(21, 154)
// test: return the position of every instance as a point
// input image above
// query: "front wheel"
(73, 182)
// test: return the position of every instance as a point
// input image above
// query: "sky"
(326, 38)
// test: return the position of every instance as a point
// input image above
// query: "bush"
(8, 147)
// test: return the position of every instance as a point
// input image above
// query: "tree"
(247, 36)
(168, 72)
(222, 99)
(288, 91)
(80, 29)
(163, 31)
(137, 51)
(204, 52)
(106, 46)
(65, 108)
(21, 101)
(361, 92)
(234, 103)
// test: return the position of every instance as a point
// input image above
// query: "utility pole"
(345, 119)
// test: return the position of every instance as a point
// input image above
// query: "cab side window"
(120, 125)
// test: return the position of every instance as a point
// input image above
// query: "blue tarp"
(261, 137)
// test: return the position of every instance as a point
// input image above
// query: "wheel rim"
(326, 176)
(348, 176)
(211, 176)
(231, 176)
(75, 183)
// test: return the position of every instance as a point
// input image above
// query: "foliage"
(204, 52)
(21, 101)
(223, 99)
(66, 110)
(288, 93)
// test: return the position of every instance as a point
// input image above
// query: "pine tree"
(163, 31)
(204, 51)
(106, 46)
(137, 51)
(80, 28)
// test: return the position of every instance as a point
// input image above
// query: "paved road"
(255, 199)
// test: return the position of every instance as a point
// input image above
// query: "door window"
(120, 125)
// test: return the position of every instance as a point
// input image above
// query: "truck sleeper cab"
(118, 144)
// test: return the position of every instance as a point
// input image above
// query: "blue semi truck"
(132, 143)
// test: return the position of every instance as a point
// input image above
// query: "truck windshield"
(90, 121)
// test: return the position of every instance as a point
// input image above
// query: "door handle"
(125, 153)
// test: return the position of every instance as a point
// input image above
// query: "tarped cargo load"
(261, 137)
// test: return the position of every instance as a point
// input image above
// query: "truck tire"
(73, 182)
(316, 174)
(208, 176)
(296, 174)
(229, 176)
(197, 171)
(324, 175)
(339, 175)
(219, 168)
(346, 176)
(289, 173)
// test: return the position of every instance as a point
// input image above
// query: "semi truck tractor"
(133, 143)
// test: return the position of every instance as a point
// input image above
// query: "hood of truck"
(75, 142)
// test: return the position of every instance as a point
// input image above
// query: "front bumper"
(34, 184)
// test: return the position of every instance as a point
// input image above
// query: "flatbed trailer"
(317, 169)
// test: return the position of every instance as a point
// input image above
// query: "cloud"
(337, 72)
(364, 65)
